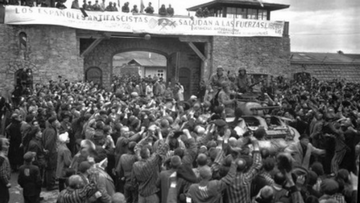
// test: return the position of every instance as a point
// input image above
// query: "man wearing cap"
(208, 190)
(63, 159)
(79, 191)
(123, 171)
(167, 180)
(105, 183)
(49, 139)
(29, 179)
(217, 79)
(146, 170)
(241, 81)
(239, 191)
(14, 134)
(224, 99)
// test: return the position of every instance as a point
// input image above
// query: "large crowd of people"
(142, 141)
(95, 6)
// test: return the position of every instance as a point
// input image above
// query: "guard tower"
(241, 9)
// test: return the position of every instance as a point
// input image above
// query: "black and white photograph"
(169, 101)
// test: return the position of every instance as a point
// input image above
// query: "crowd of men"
(142, 141)
(89, 6)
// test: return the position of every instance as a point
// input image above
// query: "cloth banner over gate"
(142, 23)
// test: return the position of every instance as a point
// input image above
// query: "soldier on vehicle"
(217, 79)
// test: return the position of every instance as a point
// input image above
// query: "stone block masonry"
(262, 55)
(50, 51)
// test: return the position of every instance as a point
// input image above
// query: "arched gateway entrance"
(179, 53)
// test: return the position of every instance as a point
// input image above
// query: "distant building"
(150, 67)
(142, 67)
(326, 66)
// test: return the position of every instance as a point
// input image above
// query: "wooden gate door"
(94, 74)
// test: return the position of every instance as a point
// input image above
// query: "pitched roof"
(240, 3)
(147, 62)
(324, 58)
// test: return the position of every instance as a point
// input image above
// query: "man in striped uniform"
(239, 191)
(146, 171)
(77, 192)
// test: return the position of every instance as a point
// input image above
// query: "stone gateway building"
(50, 50)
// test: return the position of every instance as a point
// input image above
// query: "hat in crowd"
(284, 162)
(177, 133)
(343, 174)
(225, 84)
(241, 164)
(84, 166)
(312, 178)
(66, 114)
(205, 172)
(238, 112)
(213, 153)
(202, 149)
(193, 97)
(318, 168)
(134, 94)
(266, 192)
(52, 119)
(329, 186)
(220, 68)
(87, 144)
(218, 110)
(131, 145)
(179, 152)
(64, 137)
(211, 143)
(29, 156)
(100, 155)
(175, 161)
(118, 198)
(299, 171)
(220, 123)
(260, 133)
(16, 116)
(200, 130)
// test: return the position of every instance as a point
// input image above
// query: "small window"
(252, 14)
(23, 40)
(241, 13)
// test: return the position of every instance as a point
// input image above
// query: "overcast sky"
(315, 25)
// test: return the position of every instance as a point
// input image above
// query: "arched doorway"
(185, 80)
(23, 81)
(94, 74)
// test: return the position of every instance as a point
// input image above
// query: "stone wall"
(263, 55)
(51, 51)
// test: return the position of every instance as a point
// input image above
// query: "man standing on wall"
(149, 9)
